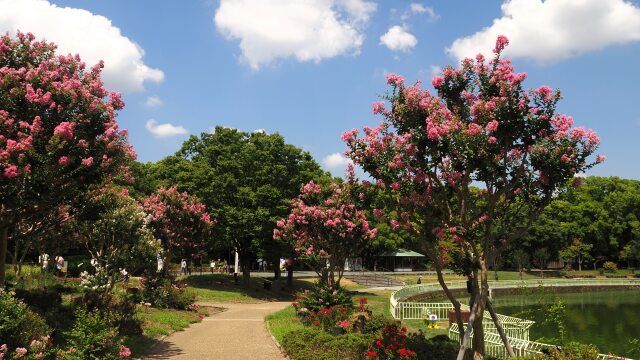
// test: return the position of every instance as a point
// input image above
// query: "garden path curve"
(239, 333)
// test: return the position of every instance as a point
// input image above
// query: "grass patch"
(222, 288)
(283, 322)
(160, 322)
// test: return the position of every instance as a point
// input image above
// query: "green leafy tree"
(110, 225)
(247, 180)
(578, 252)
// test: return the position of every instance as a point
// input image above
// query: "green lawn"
(160, 322)
(283, 322)
(222, 288)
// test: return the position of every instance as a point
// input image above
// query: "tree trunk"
(481, 287)
(467, 333)
(290, 276)
(496, 321)
(4, 239)
(246, 274)
(276, 272)
(452, 299)
(520, 270)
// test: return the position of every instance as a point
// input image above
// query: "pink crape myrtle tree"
(472, 165)
(58, 130)
(180, 221)
(326, 227)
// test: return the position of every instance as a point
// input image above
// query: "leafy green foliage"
(19, 325)
(246, 180)
(322, 296)
(93, 337)
(311, 344)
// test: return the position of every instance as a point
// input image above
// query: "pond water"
(607, 319)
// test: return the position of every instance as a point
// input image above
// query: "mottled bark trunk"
(501, 332)
(452, 299)
(290, 276)
(4, 239)
(467, 333)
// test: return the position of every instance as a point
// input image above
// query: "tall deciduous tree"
(577, 251)
(326, 228)
(110, 225)
(483, 128)
(247, 180)
(58, 131)
(180, 221)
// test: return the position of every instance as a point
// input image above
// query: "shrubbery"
(163, 292)
(118, 312)
(93, 337)
(312, 344)
(19, 326)
(322, 296)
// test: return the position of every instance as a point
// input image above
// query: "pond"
(607, 319)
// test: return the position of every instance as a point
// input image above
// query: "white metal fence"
(516, 329)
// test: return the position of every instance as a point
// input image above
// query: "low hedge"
(313, 344)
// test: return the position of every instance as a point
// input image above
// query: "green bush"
(120, 312)
(312, 344)
(19, 325)
(374, 323)
(163, 292)
(93, 337)
(322, 296)
(610, 267)
(439, 347)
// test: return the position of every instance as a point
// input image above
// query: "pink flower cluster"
(179, 220)
(324, 228)
(81, 109)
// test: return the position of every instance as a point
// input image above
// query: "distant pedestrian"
(183, 267)
(419, 279)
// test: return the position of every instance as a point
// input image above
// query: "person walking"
(183, 267)
(419, 279)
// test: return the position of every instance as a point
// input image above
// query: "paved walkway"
(238, 333)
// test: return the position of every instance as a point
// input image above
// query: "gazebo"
(399, 260)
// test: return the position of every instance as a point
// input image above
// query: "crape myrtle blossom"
(56, 121)
(481, 127)
(326, 226)
(179, 220)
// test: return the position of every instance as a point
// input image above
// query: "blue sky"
(310, 69)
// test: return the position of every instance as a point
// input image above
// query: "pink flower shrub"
(326, 227)
(55, 114)
(179, 220)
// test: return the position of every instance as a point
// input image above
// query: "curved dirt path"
(239, 332)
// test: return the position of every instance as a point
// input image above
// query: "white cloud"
(165, 130)
(335, 160)
(435, 70)
(307, 30)
(92, 36)
(397, 38)
(153, 101)
(262, 131)
(417, 8)
(555, 29)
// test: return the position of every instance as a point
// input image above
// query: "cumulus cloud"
(555, 29)
(307, 30)
(417, 8)
(164, 130)
(153, 101)
(78, 31)
(335, 160)
(397, 38)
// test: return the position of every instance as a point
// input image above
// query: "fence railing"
(516, 329)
